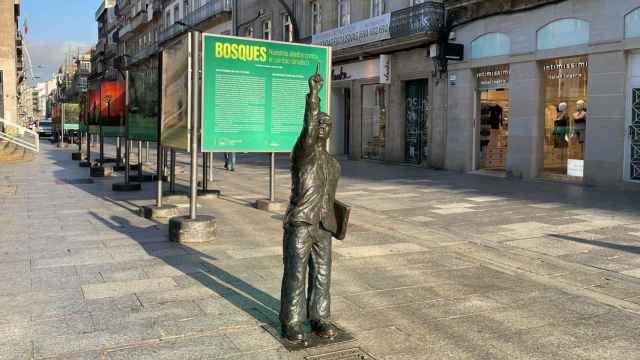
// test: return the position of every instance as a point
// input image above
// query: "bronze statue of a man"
(309, 224)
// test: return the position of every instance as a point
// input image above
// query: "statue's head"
(324, 127)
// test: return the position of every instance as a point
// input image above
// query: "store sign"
(559, 70)
(358, 33)
(493, 77)
(254, 92)
(372, 68)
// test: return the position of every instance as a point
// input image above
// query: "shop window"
(632, 24)
(565, 115)
(563, 33)
(493, 44)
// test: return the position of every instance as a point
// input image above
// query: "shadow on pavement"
(255, 302)
(598, 243)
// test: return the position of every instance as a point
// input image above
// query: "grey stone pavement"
(437, 265)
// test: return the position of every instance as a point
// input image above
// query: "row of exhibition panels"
(155, 102)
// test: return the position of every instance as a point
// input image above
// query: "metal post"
(160, 150)
(272, 178)
(127, 150)
(172, 169)
(195, 117)
(159, 161)
(140, 159)
(102, 132)
(205, 171)
(210, 168)
(166, 158)
(62, 122)
(119, 150)
(146, 153)
(127, 144)
(88, 145)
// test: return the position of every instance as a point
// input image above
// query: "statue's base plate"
(313, 341)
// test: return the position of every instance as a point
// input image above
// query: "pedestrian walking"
(230, 161)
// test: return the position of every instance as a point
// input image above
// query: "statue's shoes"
(324, 328)
(294, 333)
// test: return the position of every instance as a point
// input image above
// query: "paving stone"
(119, 288)
(408, 282)
(366, 251)
(201, 347)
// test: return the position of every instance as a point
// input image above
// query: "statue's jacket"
(314, 176)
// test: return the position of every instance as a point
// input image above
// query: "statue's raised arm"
(308, 137)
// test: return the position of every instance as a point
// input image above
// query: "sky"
(56, 27)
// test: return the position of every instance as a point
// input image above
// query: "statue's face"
(324, 129)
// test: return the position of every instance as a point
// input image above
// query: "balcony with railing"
(413, 26)
(132, 24)
(211, 9)
(427, 17)
(110, 50)
(137, 55)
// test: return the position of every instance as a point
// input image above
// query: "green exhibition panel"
(112, 131)
(254, 92)
(143, 114)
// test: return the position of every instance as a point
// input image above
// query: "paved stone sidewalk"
(437, 265)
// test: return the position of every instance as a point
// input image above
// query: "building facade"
(11, 66)
(549, 92)
(387, 103)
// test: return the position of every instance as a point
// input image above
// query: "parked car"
(45, 128)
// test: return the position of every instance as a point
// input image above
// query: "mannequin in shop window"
(495, 116)
(561, 127)
(580, 121)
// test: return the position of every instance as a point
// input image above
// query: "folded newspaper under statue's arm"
(342, 212)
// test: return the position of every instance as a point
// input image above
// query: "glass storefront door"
(492, 127)
(565, 115)
(373, 121)
(634, 135)
(632, 139)
(416, 135)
